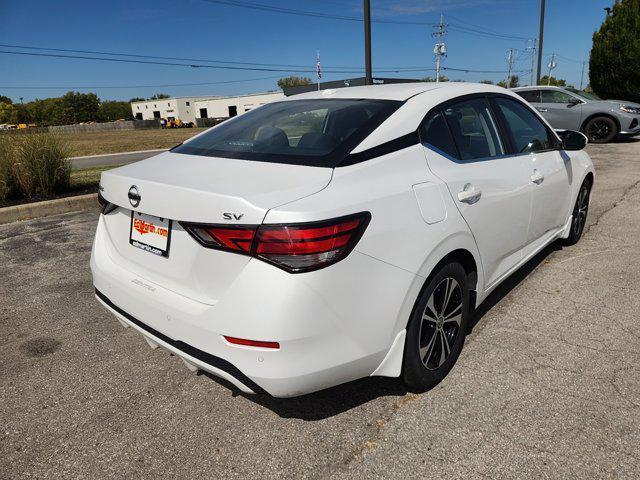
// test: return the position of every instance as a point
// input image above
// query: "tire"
(600, 129)
(579, 214)
(424, 366)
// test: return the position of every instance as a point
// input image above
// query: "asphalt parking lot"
(548, 385)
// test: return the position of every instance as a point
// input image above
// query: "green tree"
(293, 81)
(159, 96)
(8, 113)
(43, 112)
(137, 99)
(615, 54)
(487, 82)
(432, 79)
(79, 107)
(556, 82)
(111, 111)
(4, 99)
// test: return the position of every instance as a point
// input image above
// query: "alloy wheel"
(599, 130)
(440, 323)
(580, 210)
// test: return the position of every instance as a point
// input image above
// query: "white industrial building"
(174, 108)
(187, 109)
(220, 107)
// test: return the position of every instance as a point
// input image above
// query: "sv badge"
(232, 216)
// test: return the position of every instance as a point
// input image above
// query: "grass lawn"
(115, 141)
(87, 178)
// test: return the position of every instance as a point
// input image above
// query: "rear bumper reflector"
(252, 343)
(204, 357)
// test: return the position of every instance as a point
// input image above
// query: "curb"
(48, 207)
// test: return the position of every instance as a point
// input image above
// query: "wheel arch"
(461, 254)
(600, 114)
(590, 177)
(391, 365)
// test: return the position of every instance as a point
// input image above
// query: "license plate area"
(151, 234)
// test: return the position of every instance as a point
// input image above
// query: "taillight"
(221, 237)
(105, 206)
(297, 247)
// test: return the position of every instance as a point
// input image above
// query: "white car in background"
(337, 234)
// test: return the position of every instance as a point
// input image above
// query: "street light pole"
(540, 40)
(367, 42)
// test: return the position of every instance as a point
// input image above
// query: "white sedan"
(337, 234)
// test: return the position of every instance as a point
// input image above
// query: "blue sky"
(202, 29)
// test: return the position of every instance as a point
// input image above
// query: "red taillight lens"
(298, 247)
(236, 239)
(306, 247)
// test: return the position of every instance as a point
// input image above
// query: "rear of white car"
(338, 234)
(186, 253)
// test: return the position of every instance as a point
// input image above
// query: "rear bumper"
(191, 355)
(333, 325)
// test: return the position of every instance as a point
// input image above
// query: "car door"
(562, 110)
(548, 167)
(491, 189)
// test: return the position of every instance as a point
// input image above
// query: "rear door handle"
(469, 194)
(537, 177)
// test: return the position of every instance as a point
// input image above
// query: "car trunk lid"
(188, 188)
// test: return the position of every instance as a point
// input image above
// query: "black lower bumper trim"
(205, 357)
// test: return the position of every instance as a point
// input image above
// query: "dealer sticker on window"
(150, 233)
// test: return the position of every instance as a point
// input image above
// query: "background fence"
(91, 127)
(209, 122)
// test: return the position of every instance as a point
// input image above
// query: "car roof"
(397, 91)
(538, 87)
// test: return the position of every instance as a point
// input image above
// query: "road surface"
(547, 386)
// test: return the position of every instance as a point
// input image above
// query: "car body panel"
(347, 320)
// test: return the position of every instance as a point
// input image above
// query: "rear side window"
(531, 96)
(555, 96)
(300, 132)
(528, 133)
(435, 133)
(474, 129)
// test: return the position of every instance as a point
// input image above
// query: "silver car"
(570, 109)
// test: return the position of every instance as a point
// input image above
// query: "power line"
(131, 55)
(173, 64)
(144, 62)
(223, 67)
(485, 34)
(96, 87)
(306, 13)
(485, 30)
(468, 70)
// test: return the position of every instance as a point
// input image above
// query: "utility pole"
(582, 75)
(440, 50)
(510, 62)
(552, 65)
(367, 43)
(318, 69)
(533, 58)
(540, 36)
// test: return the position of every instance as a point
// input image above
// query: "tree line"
(71, 108)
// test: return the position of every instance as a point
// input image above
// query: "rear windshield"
(301, 132)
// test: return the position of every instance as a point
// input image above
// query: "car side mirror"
(573, 102)
(572, 140)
